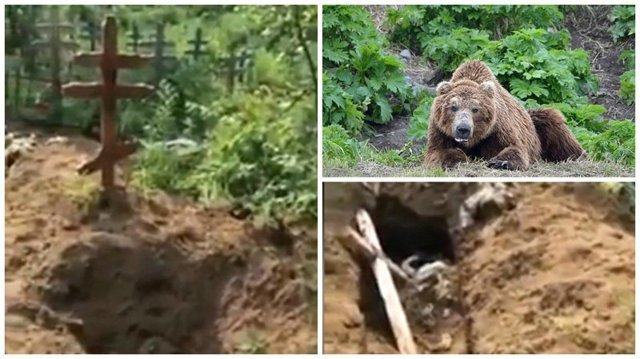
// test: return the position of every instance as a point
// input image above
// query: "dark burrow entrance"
(403, 233)
(125, 295)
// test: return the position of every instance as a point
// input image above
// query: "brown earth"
(555, 274)
(149, 274)
(589, 29)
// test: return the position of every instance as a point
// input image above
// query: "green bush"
(628, 79)
(624, 25)
(255, 147)
(419, 123)
(450, 50)
(359, 77)
(628, 86)
(534, 64)
(415, 26)
(257, 161)
(616, 143)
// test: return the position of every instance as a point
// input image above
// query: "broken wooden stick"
(371, 253)
(390, 297)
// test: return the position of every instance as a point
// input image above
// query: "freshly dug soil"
(555, 274)
(148, 274)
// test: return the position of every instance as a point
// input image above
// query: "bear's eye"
(454, 108)
(474, 110)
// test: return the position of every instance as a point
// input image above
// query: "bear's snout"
(462, 127)
(463, 131)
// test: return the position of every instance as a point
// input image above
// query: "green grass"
(83, 191)
(339, 149)
(479, 169)
(251, 343)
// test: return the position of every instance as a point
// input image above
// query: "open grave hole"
(413, 240)
(123, 295)
(426, 231)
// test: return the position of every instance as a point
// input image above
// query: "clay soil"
(555, 274)
(148, 274)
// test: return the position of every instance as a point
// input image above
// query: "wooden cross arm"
(123, 61)
(90, 90)
(48, 26)
(46, 44)
(154, 42)
(121, 150)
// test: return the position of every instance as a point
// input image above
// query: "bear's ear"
(443, 88)
(489, 87)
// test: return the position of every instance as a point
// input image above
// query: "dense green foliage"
(530, 56)
(623, 18)
(419, 125)
(628, 78)
(252, 145)
(359, 76)
(526, 47)
(416, 26)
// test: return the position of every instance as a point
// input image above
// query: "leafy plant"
(256, 159)
(359, 77)
(628, 86)
(534, 64)
(419, 124)
(623, 19)
(415, 26)
(450, 50)
(628, 79)
(616, 143)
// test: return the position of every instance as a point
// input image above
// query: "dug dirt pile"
(554, 274)
(150, 274)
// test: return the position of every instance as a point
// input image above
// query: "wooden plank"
(104, 159)
(93, 59)
(44, 44)
(133, 91)
(363, 244)
(133, 61)
(85, 90)
(49, 26)
(393, 306)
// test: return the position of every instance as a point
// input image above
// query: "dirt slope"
(151, 274)
(554, 275)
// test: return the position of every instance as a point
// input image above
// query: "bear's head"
(465, 110)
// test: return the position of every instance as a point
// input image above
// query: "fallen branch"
(371, 253)
(390, 297)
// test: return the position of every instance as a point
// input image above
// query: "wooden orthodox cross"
(108, 91)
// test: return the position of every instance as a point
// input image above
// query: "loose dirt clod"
(150, 274)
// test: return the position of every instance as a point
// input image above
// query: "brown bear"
(473, 116)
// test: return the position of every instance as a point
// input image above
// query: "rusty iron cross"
(108, 91)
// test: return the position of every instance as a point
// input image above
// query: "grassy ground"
(479, 169)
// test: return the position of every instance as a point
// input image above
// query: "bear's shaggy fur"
(473, 116)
